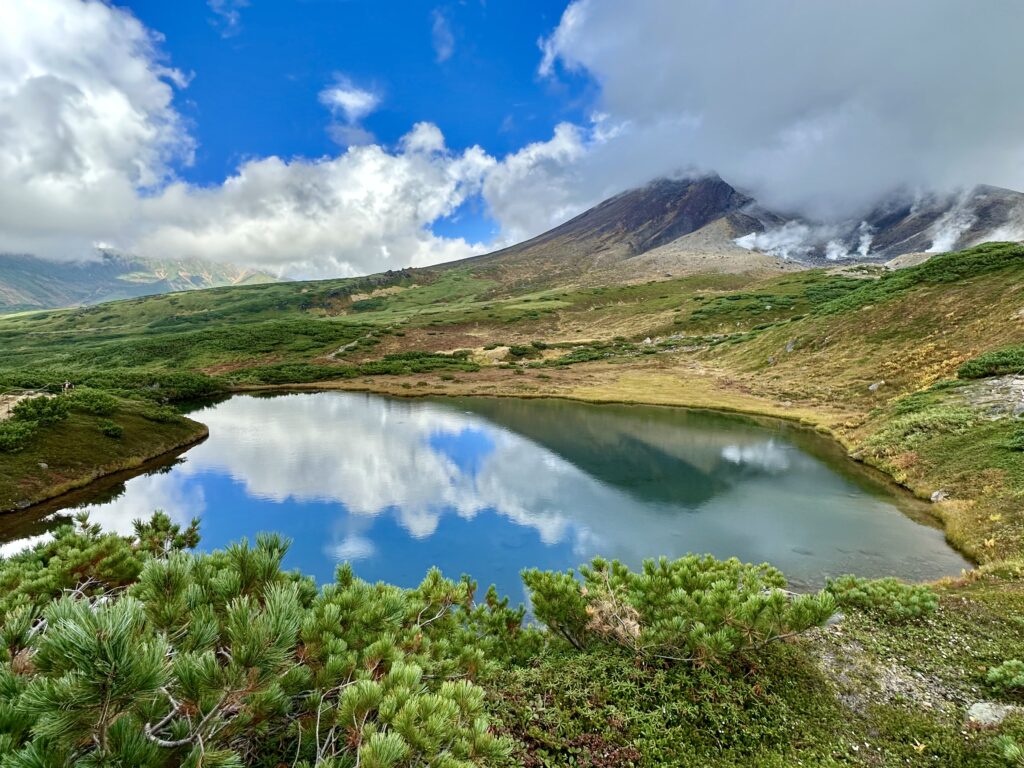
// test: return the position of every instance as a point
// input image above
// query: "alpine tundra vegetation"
(792, 227)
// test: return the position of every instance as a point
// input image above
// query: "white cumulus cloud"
(90, 141)
(86, 123)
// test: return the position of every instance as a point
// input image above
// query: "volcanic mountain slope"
(947, 223)
(673, 221)
(675, 227)
(27, 282)
(903, 225)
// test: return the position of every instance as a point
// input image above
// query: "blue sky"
(469, 67)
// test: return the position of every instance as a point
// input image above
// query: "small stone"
(43, 465)
(835, 618)
(648, 340)
(987, 714)
(939, 495)
(791, 345)
(874, 387)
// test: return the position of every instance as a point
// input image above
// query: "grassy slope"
(54, 461)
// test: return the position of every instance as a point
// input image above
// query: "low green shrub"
(161, 414)
(1008, 677)
(111, 429)
(523, 350)
(1012, 752)
(127, 650)
(696, 610)
(1016, 439)
(889, 598)
(92, 401)
(996, 363)
(369, 305)
(14, 435)
(42, 410)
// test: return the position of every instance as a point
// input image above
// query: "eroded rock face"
(988, 714)
(997, 397)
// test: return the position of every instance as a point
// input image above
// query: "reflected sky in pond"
(490, 486)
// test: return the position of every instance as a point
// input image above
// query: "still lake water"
(489, 486)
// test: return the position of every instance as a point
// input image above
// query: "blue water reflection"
(489, 486)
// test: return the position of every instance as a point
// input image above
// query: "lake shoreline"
(85, 481)
(802, 418)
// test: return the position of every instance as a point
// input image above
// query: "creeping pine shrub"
(1016, 441)
(1008, 677)
(129, 651)
(889, 598)
(42, 410)
(524, 350)
(92, 401)
(1012, 752)
(15, 434)
(695, 610)
(162, 414)
(995, 363)
(111, 429)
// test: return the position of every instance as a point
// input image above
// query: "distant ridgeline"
(28, 282)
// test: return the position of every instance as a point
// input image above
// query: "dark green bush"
(695, 610)
(162, 414)
(890, 598)
(996, 363)
(42, 410)
(111, 429)
(1016, 440)
(92, 401)
(128, 651)
(523, 350)
(14, 435)
(369, 305)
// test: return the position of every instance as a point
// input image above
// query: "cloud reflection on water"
(359, 459)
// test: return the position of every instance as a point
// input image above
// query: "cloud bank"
(819, 108)
(90, 140)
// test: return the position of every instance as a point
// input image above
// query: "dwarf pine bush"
(890, 598)
(93, 401)
(41, 410)
(131, 651)
(14, 435)
(1008, 677)
(696, 609)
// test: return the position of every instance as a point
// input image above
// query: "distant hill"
(28, 282)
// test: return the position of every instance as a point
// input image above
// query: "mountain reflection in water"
(490, 486)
